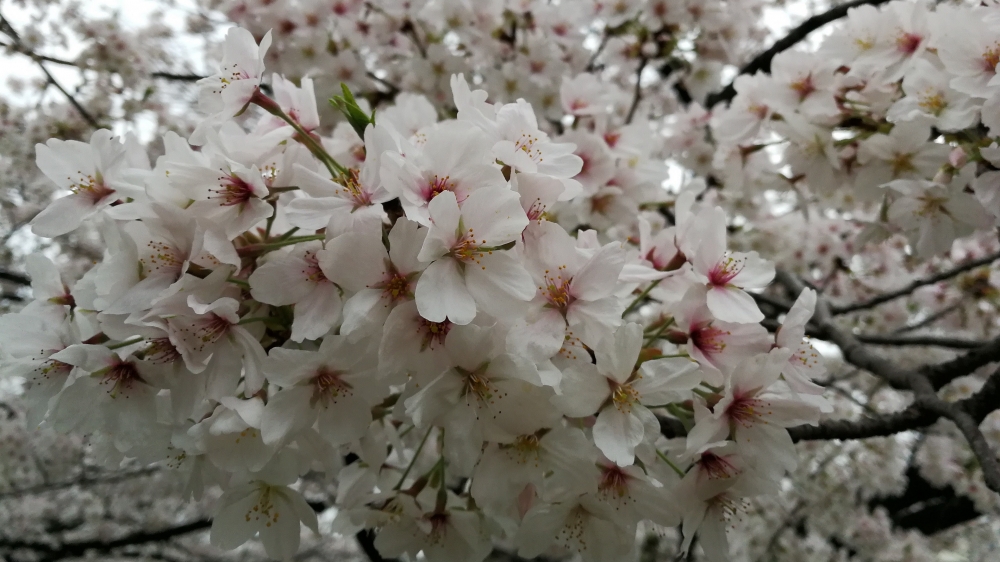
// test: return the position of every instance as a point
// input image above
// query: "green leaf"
(347, 105)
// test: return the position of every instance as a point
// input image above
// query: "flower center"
(121, 376)
(991, 58)
(725, 271)
(908, 43)
(328, 386)
(233, 190)
(91, 186)
(717, 467)
(803, 87)
(434, 333)
(161, 257)
(709, 340)
(353, 190)
(438, 185)
(614, 481)
(932, 101)
(312, 271)
(557, 290)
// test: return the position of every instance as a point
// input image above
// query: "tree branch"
(4, 24)
(954, 343)
(892, 295)
(762, 62)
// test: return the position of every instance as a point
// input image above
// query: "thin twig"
(637, 94)
(762, 62)
(937, 278)
(48, 75)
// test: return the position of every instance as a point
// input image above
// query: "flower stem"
(642, 296)
(126, 343)
(670, 463)
(416, 454)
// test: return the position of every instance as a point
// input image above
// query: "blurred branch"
(9, 30)
(892, 295)
(762, 62)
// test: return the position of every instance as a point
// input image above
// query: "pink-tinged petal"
(599, 276)
(793, 329)
(499, 272)
(704, 238)
(616, 434)
(281, 281)
(355, 260)
(595, 321)
(66, 214)
(616, 359)
(731, 304)
(314, 213)
(667, 380)
(441, 293)
(708, 428)
(286, 413)
(253, 359)
(539, 339)
(317, 313)
(405, 241)
(229, 526)
(754, 273)
(445, 218)
(366, 308)
(493, 215)
(344, 420)
(583, 390)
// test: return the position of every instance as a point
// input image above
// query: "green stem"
(126, 343)
(659, 331)
(670, 463)
(239, 282)
(642, 296)
(303, 136)
(416, 454)
(264, 319)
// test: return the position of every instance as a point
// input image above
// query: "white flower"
(96, 174)
(227, 92)
(620, 394)
(469, 267)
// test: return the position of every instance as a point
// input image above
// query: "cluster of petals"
(467, 324)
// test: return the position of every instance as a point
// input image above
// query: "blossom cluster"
(891, 119)
(405, 310)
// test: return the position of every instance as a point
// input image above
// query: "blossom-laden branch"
(762, 62)
(927, 405)
(913, 286)
(6, 28)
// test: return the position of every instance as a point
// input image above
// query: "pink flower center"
(556, 290)
(746, 409)
(725, 271)
(121, 376)
(312, 271)
(716, 467)
(437, 185)
(328, 386)
(233, 190)
(433, 333)
(709, 340)
(908, 43)
(91, 186)
(614, 481)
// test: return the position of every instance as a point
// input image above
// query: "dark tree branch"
(9, 30)
(14, 277)
(78, 549)
(933, 341)
(20, 49)
(762, 62)
(892, 295)
(943, 373)
(637, 94)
